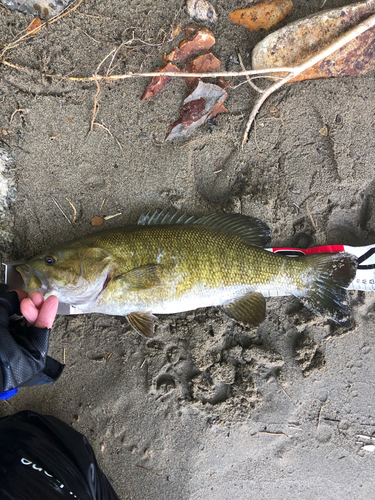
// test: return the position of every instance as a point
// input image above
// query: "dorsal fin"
(251, 229)
(164, 217)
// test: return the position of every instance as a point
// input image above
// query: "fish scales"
(197, 254)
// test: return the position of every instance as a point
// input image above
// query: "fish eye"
(50, 260)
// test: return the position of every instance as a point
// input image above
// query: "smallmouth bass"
(171, 263)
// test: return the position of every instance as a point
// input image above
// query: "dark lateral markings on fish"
(171, 262)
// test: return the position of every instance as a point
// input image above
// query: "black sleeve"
(23, 349)
(43, 458)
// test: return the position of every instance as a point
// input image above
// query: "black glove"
(23, 349)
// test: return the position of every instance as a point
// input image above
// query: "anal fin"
(249, 309)
(143, 322)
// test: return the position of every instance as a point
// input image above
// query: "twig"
(7, 402)
(173, 21)
(64, 356)
(107, 217)
(274, 433)
(16, 111)
(110, 133)
(284, 391)
(113, 58)
(15, 66)
(181, 74)
(236, 86)
(249, 80)
(61, 210)
(149, 470)
(320, 414)
(96, 105)
(311, 217)
(280, 118)
(143, 362)
(74, 211)
(297, 70)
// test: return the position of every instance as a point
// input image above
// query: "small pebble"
(201, 10)
(97, 221)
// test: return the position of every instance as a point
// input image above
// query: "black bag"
(42, 458)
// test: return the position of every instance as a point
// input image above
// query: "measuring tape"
(365, 275)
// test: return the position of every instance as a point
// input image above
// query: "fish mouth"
(32, 281)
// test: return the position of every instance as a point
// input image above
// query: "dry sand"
(287, 399)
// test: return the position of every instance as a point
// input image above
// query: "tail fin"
(331, 274)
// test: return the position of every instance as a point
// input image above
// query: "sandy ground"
(288, 399)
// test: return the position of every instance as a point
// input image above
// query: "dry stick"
(311, 217)
(7, 402)
(297, 70)
(74, 210)
(149, 470)
(181, 74)
(249, 80)
(96, 106)
(16, 111)
(110, 133)
(274, 433)
(6, 63)
(61, 210)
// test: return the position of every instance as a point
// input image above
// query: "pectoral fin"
(143, 322)
(250, 309)
(141, 278)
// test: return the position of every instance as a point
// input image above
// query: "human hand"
(37, 311)
(23, 349)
